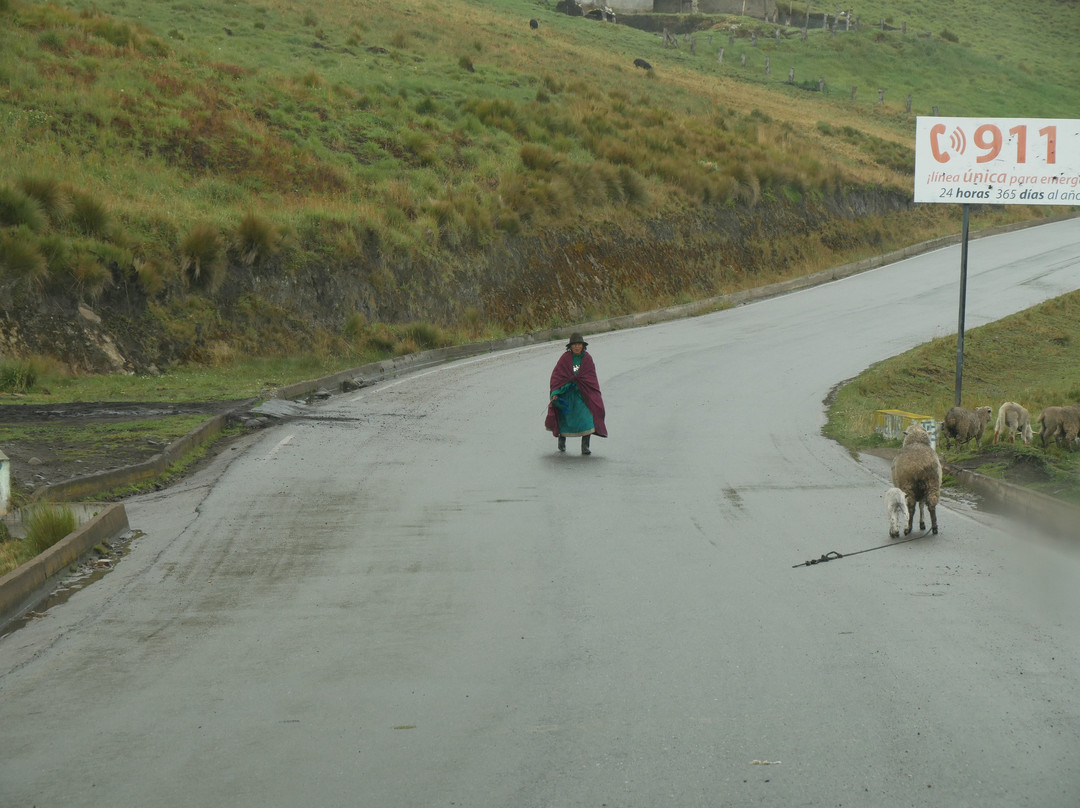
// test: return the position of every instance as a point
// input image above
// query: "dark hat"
(576, 337)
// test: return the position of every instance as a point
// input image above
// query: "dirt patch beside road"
(48, 444)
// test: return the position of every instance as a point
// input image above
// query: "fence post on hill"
(908, 106)
(791, 76)
(854, 89)
(821, 84)
(720, 56)
(880, 97)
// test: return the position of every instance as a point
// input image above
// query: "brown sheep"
(916, 471)
(962, 425)
(1060, 423)
(1013, 418)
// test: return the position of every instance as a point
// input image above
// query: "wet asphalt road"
(410, 599)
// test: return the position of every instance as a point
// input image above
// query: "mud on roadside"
(37, 438)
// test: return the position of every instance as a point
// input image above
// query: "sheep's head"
(916, 434)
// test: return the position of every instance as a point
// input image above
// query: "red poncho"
(587, 384)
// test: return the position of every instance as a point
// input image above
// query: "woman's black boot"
(585, 445)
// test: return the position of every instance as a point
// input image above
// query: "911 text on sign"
(997, 161)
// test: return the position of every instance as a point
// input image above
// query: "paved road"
(410, 599)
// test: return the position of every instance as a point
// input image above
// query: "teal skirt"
(574, 416)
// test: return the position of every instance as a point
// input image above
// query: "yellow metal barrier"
(892, 423)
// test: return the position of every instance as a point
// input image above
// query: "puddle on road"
(92, 567)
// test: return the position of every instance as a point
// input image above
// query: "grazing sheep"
(534, 24)
(916, 471)
(1060, 423)
(1013, 418)
(896, 507)
(642, 64)
(962, 425)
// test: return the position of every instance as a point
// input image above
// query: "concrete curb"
(1059, 518)
(25, 585)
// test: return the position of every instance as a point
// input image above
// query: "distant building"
(749, 8)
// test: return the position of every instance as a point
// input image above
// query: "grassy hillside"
(217, 179)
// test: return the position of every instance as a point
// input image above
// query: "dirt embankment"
(522, 283)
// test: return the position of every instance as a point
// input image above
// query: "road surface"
(409, 598)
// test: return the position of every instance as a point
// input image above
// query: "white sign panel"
(997, 161)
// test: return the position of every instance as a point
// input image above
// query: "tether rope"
(832, 556)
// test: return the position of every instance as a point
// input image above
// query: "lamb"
(896, 507)
(916, 471)
(962, 425)
(1060, 423)
(1013, 418)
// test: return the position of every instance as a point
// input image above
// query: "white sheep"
(896, 507)
(916, 471)
(962, 425)
(1013, 418)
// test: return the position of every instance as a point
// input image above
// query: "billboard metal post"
(963, 299)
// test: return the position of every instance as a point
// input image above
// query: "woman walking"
(575, 406)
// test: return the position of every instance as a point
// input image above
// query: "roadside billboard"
(997, 161)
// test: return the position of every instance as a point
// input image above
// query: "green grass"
(46, 524)
(1029, 357)
(78, 442)
(216, 178)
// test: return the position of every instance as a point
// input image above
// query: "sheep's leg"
(922, 520)
(910, 514)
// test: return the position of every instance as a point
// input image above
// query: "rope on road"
(832, 556)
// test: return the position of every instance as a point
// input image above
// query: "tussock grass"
(20, 375)
(202, 257)
(45, 526)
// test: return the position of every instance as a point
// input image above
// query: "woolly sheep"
(962, 425)
(896, 507)
(1013, 418)
(1060, 423)
(916, 471)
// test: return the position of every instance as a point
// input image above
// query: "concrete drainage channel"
(29, 585)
